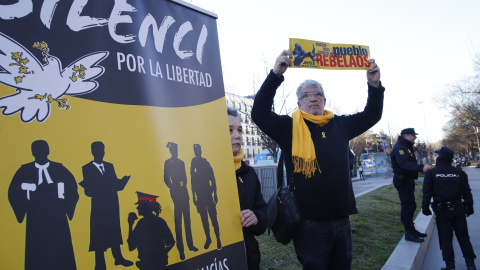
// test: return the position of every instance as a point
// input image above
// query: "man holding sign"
(314, 144)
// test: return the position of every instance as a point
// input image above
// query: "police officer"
(175, 178)
(405, 172)
(204, 194)
(151, 237)
(449, 186)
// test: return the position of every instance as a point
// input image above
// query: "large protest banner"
(114, 138)
(322, 55)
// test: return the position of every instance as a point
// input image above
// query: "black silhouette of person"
(151, 237)
(175, 178)
(45, 192)
(299, 54)
(100, 182)
(204, 194)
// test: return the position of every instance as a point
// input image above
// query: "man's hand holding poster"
(322, 55)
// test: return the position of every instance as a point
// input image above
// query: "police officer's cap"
(144, 197)
(445, 152)
(410, 131)
(171, 144)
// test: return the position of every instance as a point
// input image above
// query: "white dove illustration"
(38, 85)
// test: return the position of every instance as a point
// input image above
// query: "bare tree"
(358, 145)
(459, 137)
(371, 142)
(279, 106)
(462, 99)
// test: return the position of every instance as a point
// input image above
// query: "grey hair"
(233, 112)
(309, 82)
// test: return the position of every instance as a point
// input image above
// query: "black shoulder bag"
(283, 213)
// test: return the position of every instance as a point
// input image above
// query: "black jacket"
(328, 194)
(404, 161)
(250, 195)
(446, 183)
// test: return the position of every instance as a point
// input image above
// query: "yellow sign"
(322, 55)
(102, 133)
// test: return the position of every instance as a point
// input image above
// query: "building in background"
(252, 143)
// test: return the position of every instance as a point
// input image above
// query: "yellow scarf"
(303, 150)
(237, 159)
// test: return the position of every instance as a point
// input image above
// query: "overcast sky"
(420, 46)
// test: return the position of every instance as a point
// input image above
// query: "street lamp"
(366, 143)
(424, 121)
(426, 133)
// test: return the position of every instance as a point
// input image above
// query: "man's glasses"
(316, 95)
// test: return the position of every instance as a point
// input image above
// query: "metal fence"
(267, 174)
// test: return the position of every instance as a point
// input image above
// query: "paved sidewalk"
(369, 184)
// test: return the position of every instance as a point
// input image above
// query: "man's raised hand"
(373, 74)
(282, 63)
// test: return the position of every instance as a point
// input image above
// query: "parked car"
(368, 163)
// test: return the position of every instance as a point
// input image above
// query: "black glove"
(426, 211)
(470, 211)
(468, 207)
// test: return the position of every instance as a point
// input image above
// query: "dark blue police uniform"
(452, 200)
(405, 170)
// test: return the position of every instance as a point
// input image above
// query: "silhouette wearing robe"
(46, 193)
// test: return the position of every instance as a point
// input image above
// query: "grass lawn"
(378, 231)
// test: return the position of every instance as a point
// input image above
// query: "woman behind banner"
(253, 214)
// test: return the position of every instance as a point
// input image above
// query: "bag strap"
(280, 172)
(290, 182)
